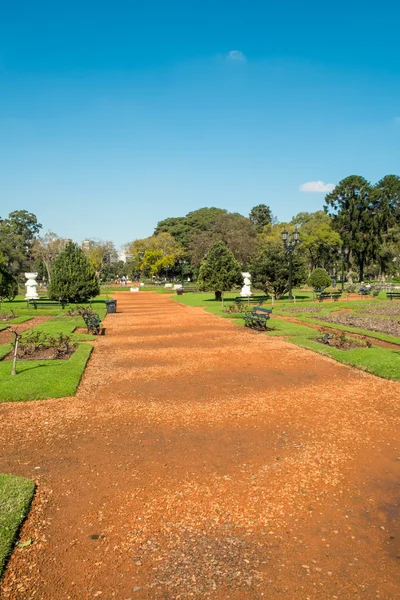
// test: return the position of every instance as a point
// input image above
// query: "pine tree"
(73, 279)
(219, 271)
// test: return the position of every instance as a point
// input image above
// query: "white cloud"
(317, 186)
(235, 56)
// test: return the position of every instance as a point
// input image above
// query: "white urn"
(31, 285)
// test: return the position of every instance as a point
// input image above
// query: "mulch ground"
(202, 460)
(6, 336)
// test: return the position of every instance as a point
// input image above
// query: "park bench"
(333, 295)
(393, 295)
(93, 322)
(243, 301)
(46, 302)
(184, 290)
(257, 318)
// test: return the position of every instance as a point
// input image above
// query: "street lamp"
(290, 243)
(343, 255)
(182, 262)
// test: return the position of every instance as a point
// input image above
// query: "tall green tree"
(17, 236)
(351, 206)
(236, 231)
(8, 283)
(72, 276)
(270, 269)
(386, 214)
(219, 271)
(319, 240)
(261, 215)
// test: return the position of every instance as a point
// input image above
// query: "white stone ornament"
(31, 285)
(246, 289)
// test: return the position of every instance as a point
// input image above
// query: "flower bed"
(389, 326)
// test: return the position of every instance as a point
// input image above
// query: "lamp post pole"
(290, 243)
(343, 254)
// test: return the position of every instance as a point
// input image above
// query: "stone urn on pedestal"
(31, 285)
(246, 289)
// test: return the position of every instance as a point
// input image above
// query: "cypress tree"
(72, 277)
(219, 271)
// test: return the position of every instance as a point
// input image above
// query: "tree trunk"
(218, 296)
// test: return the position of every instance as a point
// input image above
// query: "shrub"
(73, 279)
(8, 284)
(219, 271)
(319, 279)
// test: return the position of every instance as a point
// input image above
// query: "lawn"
(16, 494)
(383, 362)
(40, 379)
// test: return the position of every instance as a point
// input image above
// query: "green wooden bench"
(46, 302)
(325, 295)
(243, 301)
(189, 289)
(257, 318)
(393, 295)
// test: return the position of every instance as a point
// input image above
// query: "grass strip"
(382, 362)
(16, 494)
(41, 379)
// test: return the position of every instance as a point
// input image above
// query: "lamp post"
(343, 255)
(182, 262)
(290, 243)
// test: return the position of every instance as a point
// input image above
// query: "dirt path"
(6, 337)
(201, 460)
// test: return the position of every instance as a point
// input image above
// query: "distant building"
(124, 256)
(85, 245)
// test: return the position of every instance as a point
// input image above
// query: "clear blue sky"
(114, 115)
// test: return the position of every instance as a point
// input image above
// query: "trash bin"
(179, 291)
(111, 306)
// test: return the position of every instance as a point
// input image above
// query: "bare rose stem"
(17, 336)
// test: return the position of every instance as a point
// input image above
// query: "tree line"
(359, 224)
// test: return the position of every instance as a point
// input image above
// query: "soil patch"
(44, 354)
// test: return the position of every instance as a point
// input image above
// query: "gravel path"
(201, 460)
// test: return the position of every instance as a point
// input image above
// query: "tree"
(47, 248)
(8, 283)
(101, 254)
(351, 207)
(236, 231)
(270, 269)
(261, 215)
(319, 279)
(219, 271)
(155, 254)
(183, 228)
(319, 240)
(386, 215)
(17, 235)
(72, 277)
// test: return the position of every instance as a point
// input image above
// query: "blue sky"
(114, 116)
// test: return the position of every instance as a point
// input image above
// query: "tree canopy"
(219, 271)
(73, 278)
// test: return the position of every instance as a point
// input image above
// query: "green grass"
(37, 380)
(382, 362)
(16, 494)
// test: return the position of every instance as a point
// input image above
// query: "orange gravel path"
(202, 460)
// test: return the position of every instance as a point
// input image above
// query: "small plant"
(319, 279)
(351, 288)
